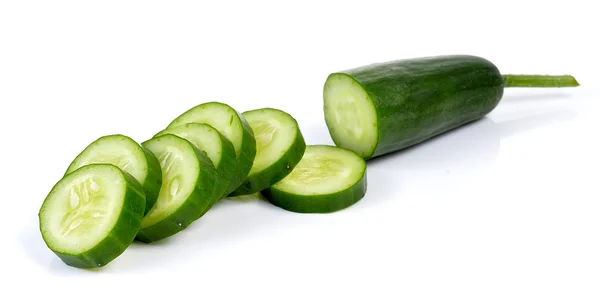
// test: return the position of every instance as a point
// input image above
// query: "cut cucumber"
(279, 147)
(218, 148)
(92, 215)
(187, 191)
(385, 107)
(327, 179)
(129, 156)
(233, 126)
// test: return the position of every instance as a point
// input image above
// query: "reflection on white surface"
(476, 144)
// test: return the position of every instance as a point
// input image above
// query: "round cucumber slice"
(218, 148)
(129, 156)
(188, 188)
(350, 115)
(327, 179)
(92, 215)
(233, 126)
(279, 147)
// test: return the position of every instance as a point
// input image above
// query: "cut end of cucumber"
(180, 169)
(218, 115)
(119, 150)
(350, 115)
(82, 208)
(275, 132)
(323, 170)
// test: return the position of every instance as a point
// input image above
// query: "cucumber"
(233, 126)
(92, 215)
(384, 107)
(129, 156)
(187, 191)
(279, 147)
(218, 148)
(326, 180)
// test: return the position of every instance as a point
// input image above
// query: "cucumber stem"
(539, 81)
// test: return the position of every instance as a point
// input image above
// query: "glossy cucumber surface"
(385, 107)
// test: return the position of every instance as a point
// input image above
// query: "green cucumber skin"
(153, 179)
(197, 204)
(120, 237)
(274, 173)
(227, 167)
(246, 157)
(308, 204)
(417, 99)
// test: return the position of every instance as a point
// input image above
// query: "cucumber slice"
(327, 179)
(279, 147)
(218, 148)
(233, 126)
(129, 156)
(92, 215)
(187, 191)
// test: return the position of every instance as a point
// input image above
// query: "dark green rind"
(195, 206)
(327, 203)
(123, 233)
(417, 99)
(277, 171)
(246, 157)
(227, 167)
(153, 179)
(227, 164)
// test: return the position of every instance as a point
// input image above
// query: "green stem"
(539, 81)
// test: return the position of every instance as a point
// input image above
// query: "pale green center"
(275, 132)
(316, 169)
(87, 207)
(350, 115)
(82, 209)
(323, 170)
(180, 169)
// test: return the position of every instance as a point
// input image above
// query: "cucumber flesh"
(327, 179)
(218, 148)
(125, 153)
(233, 126)
(187, 191)
(279, 147)
(350, 114)
(92, 215)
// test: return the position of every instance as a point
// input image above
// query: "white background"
(503, 212)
